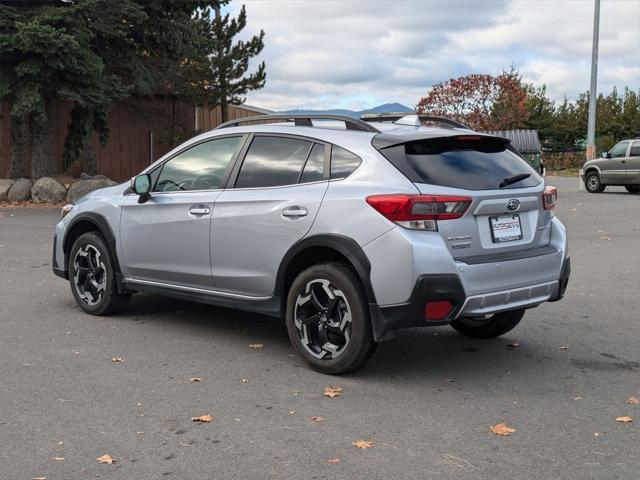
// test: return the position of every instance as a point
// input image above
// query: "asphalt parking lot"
(426, 400)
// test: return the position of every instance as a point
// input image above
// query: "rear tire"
(92, 276)
(328, 319)
(633, 188)
(592, 183)
(491, 327)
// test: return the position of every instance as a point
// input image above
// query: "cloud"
(356, 54)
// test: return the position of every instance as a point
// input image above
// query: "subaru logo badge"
(513, 205)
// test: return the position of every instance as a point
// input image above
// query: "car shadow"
(432, 353)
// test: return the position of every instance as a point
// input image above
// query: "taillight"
(419, 212)
(549, 198)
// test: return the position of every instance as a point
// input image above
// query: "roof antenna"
(411, 120)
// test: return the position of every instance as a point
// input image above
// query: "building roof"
(525, 141)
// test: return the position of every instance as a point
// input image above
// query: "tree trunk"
(19, 144)
(224, 109)
(43, 163)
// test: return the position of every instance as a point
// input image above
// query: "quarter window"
(272, 162)
(343, 162)
(199, 168)
(635, 149)
(620, 150)
(314, 168)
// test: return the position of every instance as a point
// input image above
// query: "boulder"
(47, 190)
(20, 191)
(5, 186)
(83, 187)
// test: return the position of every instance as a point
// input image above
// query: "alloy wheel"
(323, 319)
(90, 274)
(594, 182)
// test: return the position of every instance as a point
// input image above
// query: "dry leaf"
(292, 412)
(39, 478)
(318, 418)
(363, 444)
(108, 459)
(333, 461)
(256, 345)
(195, 379)
(58, 458)
(564, 347)
(117, 360)
(502, 429)
(624, 419)
(513, 345)
(244, 380)
(633, 401)
(60, 443)
(604, 238)
(332, 392)
(202, 418)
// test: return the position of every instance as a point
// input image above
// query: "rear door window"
(314, 168)
(471, 163)
(273, 161)
(635, 149)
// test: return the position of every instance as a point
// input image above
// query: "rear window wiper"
(514, 179)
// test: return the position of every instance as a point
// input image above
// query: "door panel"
(167, 238)
(614, 168)
(252, 229)
(633, 164)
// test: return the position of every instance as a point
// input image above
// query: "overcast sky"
(361, 53)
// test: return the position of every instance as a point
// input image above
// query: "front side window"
(273, 162)
(202, 167)
(635, 149)
(620, 150)
(343, 162)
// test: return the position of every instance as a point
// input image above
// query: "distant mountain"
(386, 108)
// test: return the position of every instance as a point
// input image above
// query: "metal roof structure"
(525, 141)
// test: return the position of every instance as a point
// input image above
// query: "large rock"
(47, 190)
(83, 187)
(20, 191)
(5, 186)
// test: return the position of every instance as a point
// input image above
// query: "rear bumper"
(449, 287)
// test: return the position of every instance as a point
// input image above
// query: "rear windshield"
(472, 163)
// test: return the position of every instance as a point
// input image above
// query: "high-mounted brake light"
(549, 198)
(419, 212)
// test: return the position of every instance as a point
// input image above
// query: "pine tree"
(223, 74)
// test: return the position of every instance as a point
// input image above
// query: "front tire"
(633, 188)
(592, 183)
(328, 319)
(488, 327)
(92, 276)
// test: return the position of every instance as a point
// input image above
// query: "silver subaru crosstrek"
(348, 229)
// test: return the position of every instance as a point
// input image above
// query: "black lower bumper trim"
(565, 273)
(411, 314)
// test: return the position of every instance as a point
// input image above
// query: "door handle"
(199, 210)
(294, 212)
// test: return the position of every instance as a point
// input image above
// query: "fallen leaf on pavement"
(502, 429)
(332, 392)
(318, 418)
(108, 459)
(244, 380)
(564, 347)
(202, 418)
(363, 444)
(604, 238)
(60, 443)
(256, 345)
(195, 379)
(292, 412)
(39, 478)
(624, 419)
(333, 461)
(117, 359)
(513, 345)
(633, 401)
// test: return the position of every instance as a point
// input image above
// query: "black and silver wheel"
(592, 183)
(488, 326)
(92, 276)
(328, 319)
(633, 188)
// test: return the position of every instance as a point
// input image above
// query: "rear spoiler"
(386, 140)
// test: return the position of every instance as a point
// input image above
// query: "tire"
(333, 335)
(92, 276)
(491, 327)
(592, 183)
(633, 188)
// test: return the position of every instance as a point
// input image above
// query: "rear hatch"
(504, 195)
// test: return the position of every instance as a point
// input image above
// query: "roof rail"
(304, 120)
(421, 118)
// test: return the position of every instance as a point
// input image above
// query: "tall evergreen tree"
(223, 74)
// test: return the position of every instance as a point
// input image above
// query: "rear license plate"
(505, 228)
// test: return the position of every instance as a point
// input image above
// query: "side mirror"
(142, 186)
(605, 154)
